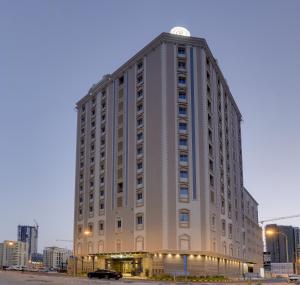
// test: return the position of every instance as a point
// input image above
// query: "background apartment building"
(56, 258)
(13, 253)
(282, 250)
(159, 175)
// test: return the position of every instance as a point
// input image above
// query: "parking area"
(18, 278)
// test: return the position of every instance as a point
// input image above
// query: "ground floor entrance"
(127, 266)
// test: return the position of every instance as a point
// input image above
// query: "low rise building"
(56, 258)
(13, 253)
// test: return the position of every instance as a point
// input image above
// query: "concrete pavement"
(18, 278)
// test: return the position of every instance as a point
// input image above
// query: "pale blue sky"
(51, 52)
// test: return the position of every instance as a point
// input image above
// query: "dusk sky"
(51, 52)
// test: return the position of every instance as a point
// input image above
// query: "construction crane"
(279, 218)
(65, 240)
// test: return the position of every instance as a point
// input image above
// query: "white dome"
(180, 31)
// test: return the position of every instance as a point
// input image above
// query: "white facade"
(55, 257)
(159, 160)
(13, 253)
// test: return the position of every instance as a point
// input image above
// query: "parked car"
(294, 278)
(103, 273)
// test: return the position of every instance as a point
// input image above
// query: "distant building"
(36, 261)
(29, 234)
(13, 253)
(276, 243)
(55, 257)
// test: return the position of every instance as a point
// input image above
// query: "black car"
(103, 273)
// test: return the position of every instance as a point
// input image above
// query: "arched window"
(139, 243)
(118, 245)
(213, 245)
(90, 247)
(224, 248)
(79, 248)
(184, 242)
(231, 250)
(100, 246)
(184, 218)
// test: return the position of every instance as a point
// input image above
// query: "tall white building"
(159, 174)
(13, 253)
(55, 257)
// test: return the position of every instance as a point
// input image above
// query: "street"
(17, 278)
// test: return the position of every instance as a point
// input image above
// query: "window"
(140, 122)
(182, 126)
(79, 230)
(140, 65)
(184, 174)
(181, 50)
(230, 231)
(101, 204)
(210, 150)
(181, 80)
(139, 107)
(140, 150)
(83, 108)
(223, 227)
(139, 243)
(181, 64)
(100, 246)
(140, 78)
(101, 227)
(213, 221)
(211, 165)
(139, 196)
(90, 228)
(183, 158)
(121, 80)
(139, 180)
(120, 187)
(182, 95)
(211, 180)
(184, 216)
(183, 192)
(139, 136)
(182, 110)
(210, 135)
(139, 219)
(139, 165)
(183, 142)
(140, 93)
(212, 196)
(119, 223)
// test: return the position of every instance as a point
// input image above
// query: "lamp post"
(272, 233)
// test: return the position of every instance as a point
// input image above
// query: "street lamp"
(272, 233)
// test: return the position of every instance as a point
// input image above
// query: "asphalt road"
(18, 278)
